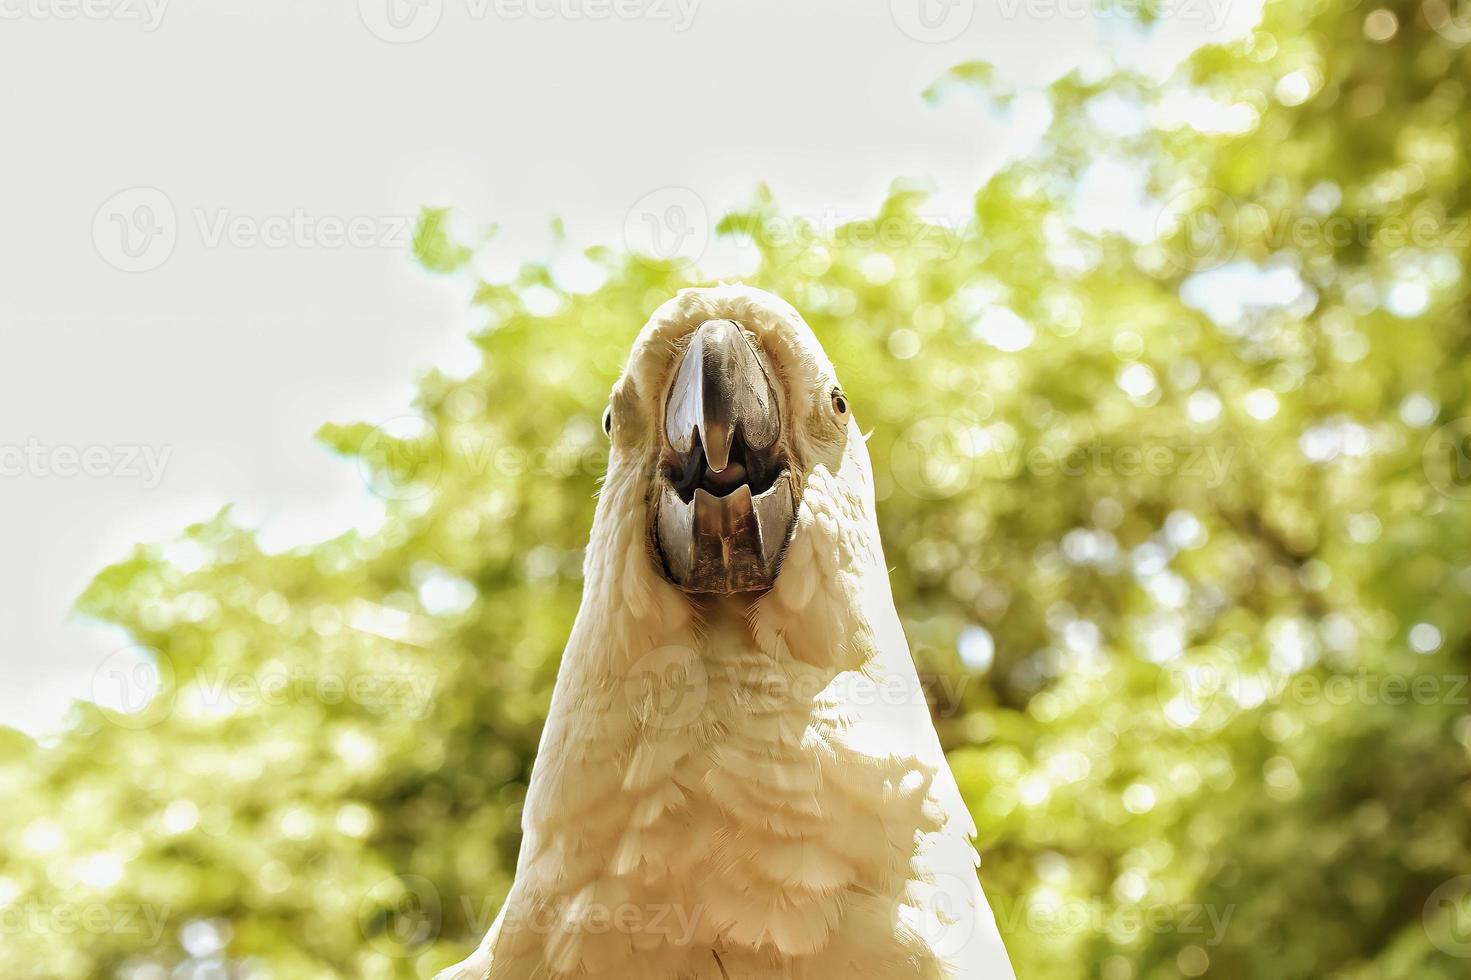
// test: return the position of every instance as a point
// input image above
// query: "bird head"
(725, 410)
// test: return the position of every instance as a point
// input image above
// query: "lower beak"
(724, 497)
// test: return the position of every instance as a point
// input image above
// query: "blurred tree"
(1174, 462)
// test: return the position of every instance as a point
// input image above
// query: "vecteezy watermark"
(670, 687)
(1451, 19)
(402, 914)
(401, 21)
(147, 14)
(673, 226)
(671, 923)
(932, 21)
(1074, 916)
(670, 225)
(1204, 228)
(944, 909)
(404, 457)
(137, 229)
(939, 457)
(136, 687)
(1211, 13)
(299, 228)
(407, 692)
(401, 458)
(1447, 917)
(938, 237)
(407, 21)
(1446, 459)
(1210, 690)
(141, 922)
(40, 460)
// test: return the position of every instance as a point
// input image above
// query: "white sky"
(228, 355)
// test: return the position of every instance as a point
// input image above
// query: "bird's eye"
(608, 421)
(840, 403)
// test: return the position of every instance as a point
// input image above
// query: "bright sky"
(253, 136)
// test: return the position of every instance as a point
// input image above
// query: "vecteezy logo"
(670, 224)
(398, 916)
(935, 458)
(1447, 917)
(134, 687)
(932, 21)
(946, 915)
(135, 230)
(1199, 229)
(1451, 19)
(667, 688)
(401, 21)
(1206, 690)
(1446, 459)
(402, 458)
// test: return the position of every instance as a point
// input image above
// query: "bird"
(739, 777)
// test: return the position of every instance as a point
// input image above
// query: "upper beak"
(721, 389)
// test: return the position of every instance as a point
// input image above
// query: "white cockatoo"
(739, 777)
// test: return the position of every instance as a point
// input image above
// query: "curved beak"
(724, 499)
(721, 388)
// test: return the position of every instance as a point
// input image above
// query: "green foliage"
(1173, 525)
(432, 244)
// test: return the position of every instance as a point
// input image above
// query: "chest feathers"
(743, 788)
